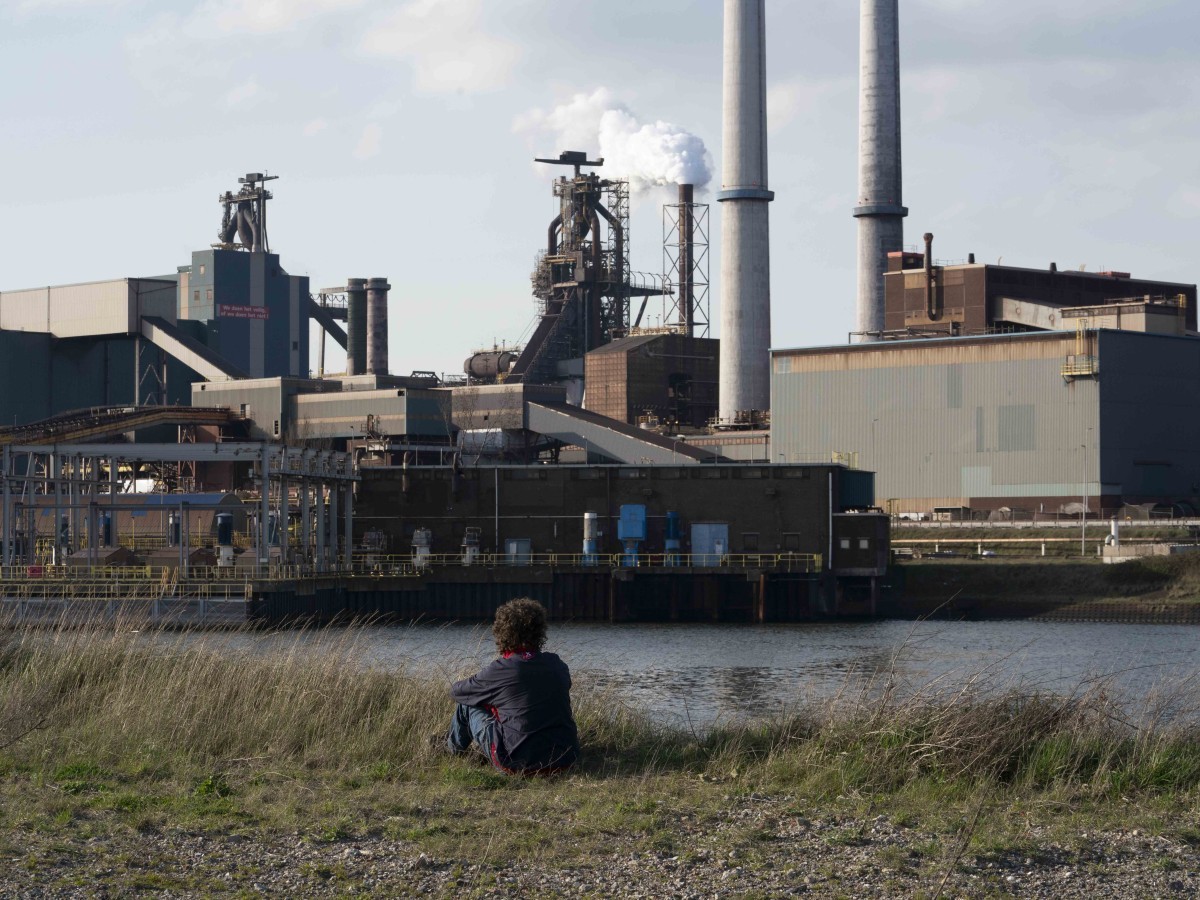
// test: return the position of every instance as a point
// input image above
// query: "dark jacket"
(530, 696)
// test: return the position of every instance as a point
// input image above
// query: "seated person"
(518, 709)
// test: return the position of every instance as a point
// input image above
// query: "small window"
(276, 428)
(750, 542)
(791, 542)
(208, 294)
(844, 543)
(196, 296)
(202, 268)
(864, 543)
(242, 410)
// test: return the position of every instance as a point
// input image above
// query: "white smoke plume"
(647, 154)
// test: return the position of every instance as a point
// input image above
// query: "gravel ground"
(820, 856)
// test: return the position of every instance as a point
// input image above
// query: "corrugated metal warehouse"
(1027, 421)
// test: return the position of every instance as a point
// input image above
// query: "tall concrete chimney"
(356, 326)
(745, 237)
(880, 211)
(377, 326)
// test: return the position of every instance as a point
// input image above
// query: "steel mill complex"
(179, 448)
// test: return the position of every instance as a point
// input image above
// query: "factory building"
(253, 313)
(661, 378)
(1036, 423)
(712, 542)
(388, 414)
(926, 299)
(74, 346)
(234, 312)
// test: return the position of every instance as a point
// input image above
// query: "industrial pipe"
(687, 229)
(619, 242)
(930, 309)
(356, 326)
(592, 336)
(552, 235)
(377, 326)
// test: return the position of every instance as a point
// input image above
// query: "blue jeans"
(470, 723)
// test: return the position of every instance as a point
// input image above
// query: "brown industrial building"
(974, 298)
(671, 378)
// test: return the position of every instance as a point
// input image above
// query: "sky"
(403, 134)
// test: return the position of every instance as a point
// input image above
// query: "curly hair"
(520, 625)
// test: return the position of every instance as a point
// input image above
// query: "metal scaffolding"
(686, 265)
(581, 279)
(81, 483)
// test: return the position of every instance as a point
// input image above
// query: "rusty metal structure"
(686, 264)
(581, 279)
(246, 214)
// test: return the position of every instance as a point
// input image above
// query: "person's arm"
(478, 690)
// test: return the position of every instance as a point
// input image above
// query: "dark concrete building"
(766, 509)
(756, 543)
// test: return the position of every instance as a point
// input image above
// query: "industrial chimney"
(687, 259)
(356, 326)
(880, 212)
(745, 382)
(377, 326)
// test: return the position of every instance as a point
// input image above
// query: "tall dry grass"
(200, 702)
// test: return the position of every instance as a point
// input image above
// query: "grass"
(1162, 582)
(103, 733)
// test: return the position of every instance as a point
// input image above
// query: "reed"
(192, 702)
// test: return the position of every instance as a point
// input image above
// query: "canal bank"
(1162, 590)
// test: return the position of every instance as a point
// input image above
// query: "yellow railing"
(167, 579)
(792, 562)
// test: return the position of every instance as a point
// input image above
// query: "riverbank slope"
(1164, 589)
(197, 770)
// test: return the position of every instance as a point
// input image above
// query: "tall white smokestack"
(745, 236)
(880, 210)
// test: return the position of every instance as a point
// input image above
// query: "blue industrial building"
(233, 313)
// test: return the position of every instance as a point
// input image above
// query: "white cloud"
(804, 98)
(244, 95)
(33, 7)
(446, 45)
(1186, 203)
(268, 16)
(315, 127)
(370, 142)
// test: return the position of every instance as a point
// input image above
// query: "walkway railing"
(365, 561)
(167, 581)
